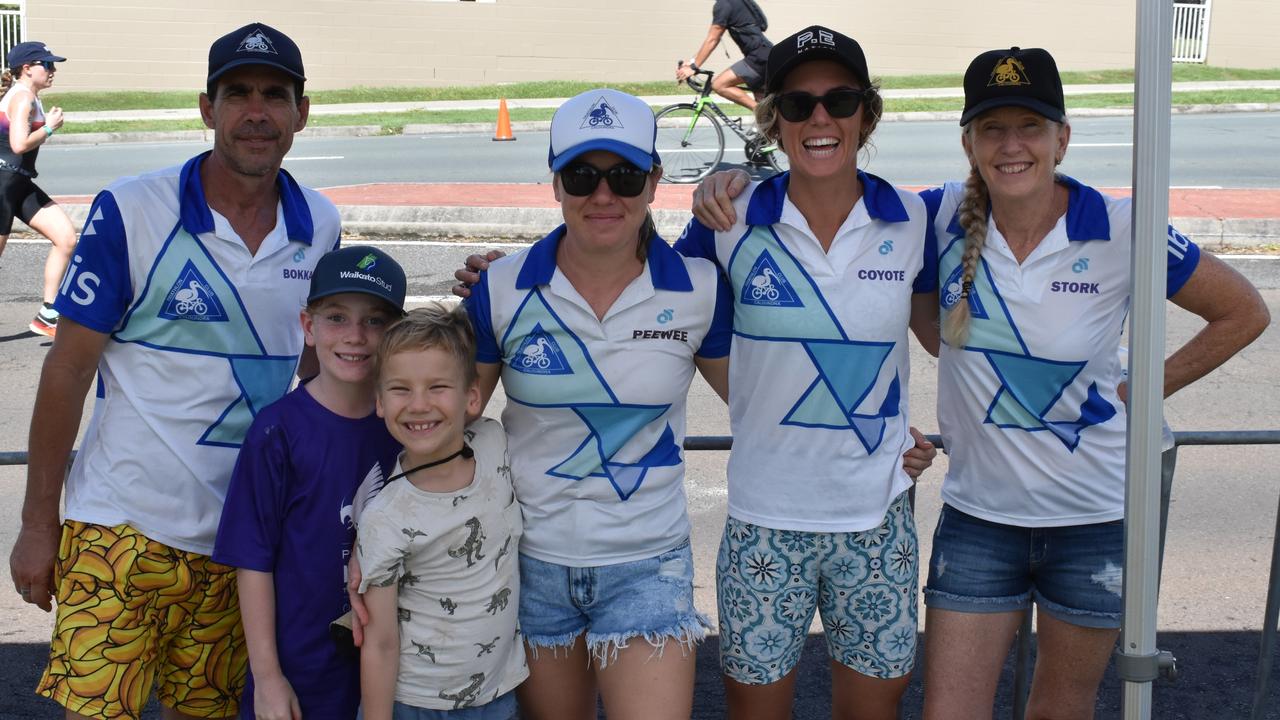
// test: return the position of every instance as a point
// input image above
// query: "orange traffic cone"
(504, 122)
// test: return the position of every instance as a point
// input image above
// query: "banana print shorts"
(134, 614)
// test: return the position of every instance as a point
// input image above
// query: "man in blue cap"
(183, 298)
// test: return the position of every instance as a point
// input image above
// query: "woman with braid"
(1034, 274)
(1034, 287)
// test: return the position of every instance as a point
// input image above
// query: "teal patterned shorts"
(770, 582)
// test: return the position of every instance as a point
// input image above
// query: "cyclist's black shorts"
(19, 197)
(752, 76)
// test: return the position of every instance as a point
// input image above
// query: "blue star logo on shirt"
(610, 428)
(1029, 389)
(847, 373)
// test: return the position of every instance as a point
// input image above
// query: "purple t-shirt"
(289, 511)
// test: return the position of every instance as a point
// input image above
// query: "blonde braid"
(6, 81)
(973, 218)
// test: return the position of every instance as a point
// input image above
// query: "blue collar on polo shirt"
(197, 218)
(879, 197)
(1087, 217)
(666, 266)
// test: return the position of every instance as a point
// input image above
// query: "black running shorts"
(20, 198)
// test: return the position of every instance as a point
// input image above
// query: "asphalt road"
(1214, 586)
(1228, 150)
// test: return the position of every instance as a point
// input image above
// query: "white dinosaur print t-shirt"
(454, 557)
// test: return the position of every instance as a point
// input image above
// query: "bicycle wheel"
(778, 159)
(761, 152)
(690, 143)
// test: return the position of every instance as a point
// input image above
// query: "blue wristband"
(48, 131)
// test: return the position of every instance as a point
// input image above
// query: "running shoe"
(41, 325)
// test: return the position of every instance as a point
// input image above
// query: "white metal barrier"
(1191, 31)
(12, 27)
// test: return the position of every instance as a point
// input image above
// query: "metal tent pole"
(1137, 660)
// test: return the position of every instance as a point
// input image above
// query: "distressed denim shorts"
(1072, 572)
(865, 586)
(650, 599)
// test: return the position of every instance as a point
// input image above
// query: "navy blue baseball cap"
(359, 269)
(30, 52)
(255, 44)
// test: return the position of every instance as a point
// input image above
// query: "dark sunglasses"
(47, 65)
(581, 179)
(798, 106)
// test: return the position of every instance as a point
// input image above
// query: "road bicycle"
(691, 137)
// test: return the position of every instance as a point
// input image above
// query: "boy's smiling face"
(345, 330)
(424, 397)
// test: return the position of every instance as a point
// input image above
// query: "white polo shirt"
(595, 412)
(203, 335)
(818, 377)
(1028, 408)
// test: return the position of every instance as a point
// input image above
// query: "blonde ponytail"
(6, 81)
(973, 218)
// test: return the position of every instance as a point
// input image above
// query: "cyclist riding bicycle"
(746, 24)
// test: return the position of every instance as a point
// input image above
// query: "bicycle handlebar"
(701, 87)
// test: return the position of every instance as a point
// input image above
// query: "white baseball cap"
(604, 119)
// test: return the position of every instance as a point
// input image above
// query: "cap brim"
(359, 290)
(774, 84)
(253, 61)
(630, 153)
(54, 58)
(1029, 103)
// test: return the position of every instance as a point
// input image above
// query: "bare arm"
(380, 654)
(1235, 313)
(714, 33)
(65, 380)
(273, 697)
(21, 138)
(924, 321)
(716, 372)
(488, 374)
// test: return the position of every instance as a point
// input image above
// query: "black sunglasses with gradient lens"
(581, 179)
(798, 106)
(47, 65)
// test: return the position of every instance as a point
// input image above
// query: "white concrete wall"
(163, 44)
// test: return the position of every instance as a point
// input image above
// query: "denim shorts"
(651, 599)
(1073, 572)
(864, 584)
(502, 707)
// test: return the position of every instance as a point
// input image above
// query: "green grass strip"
(134, 100)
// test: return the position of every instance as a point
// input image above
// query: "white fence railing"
(11, 27)
(1191, 31)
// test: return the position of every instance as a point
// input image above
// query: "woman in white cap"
(595, 332)
(829, 266)
(24, 127)
(1034, 268)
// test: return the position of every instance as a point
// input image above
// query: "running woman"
(24, 127)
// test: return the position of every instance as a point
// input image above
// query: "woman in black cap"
(1034, 280)
(828, 266)
(24, 127)
(1034, 271)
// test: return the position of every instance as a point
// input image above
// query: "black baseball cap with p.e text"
(815, 43)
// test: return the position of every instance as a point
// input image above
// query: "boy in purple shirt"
(308, 464)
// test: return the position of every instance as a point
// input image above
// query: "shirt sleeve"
(254, 512)
(927, 280)
(1184, 256)
(720, 13)
(96, 290)
(479, 311)
(382, 544)
(720, 336)
(697, 240)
